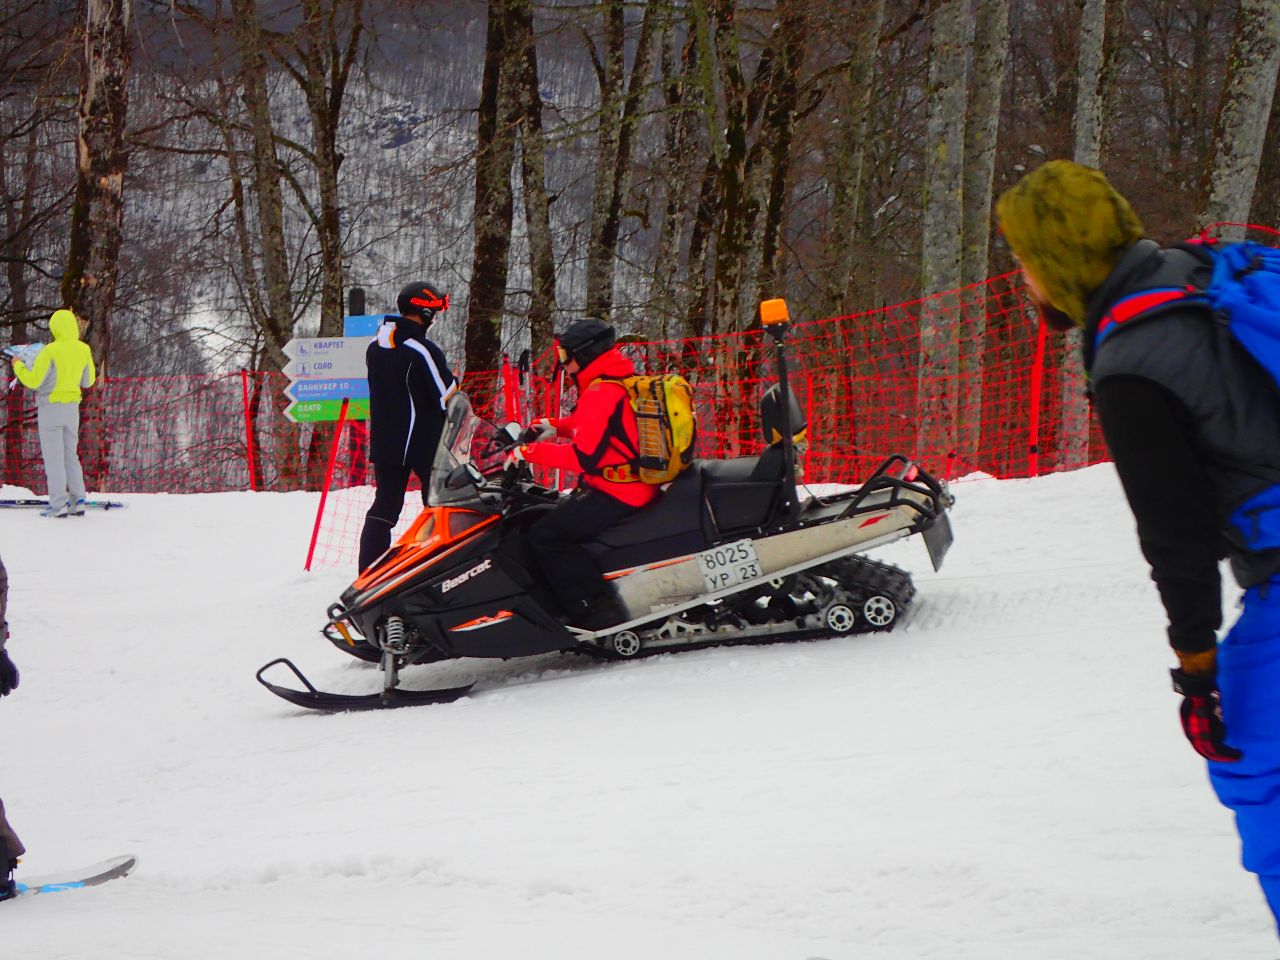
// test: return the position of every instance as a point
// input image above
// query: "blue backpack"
(1243, 295)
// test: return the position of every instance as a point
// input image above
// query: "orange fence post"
(328, 477)
(1037, 389)
(248, 430)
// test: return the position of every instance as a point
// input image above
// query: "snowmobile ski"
(340, 702)
(89, 504)
(92, 876)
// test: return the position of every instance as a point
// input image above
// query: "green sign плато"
(325, 411)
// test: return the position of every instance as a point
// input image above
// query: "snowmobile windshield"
(467, 439)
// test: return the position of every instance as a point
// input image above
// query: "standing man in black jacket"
(1193, 424)
(409, 382)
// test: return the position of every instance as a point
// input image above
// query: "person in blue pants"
(1192, 421)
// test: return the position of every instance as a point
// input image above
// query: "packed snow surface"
(1001, 777)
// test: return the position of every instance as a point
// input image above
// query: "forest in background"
(246, 163)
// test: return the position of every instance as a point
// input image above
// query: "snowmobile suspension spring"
(393, 635)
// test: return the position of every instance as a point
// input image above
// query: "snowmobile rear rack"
(336, 702)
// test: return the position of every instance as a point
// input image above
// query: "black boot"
(601, 611)
(8, 886)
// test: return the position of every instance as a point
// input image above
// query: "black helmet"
(421, 298)
(585, 340)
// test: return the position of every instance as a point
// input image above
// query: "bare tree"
(982, 122)
(981, 127)
(851, 165)
(97, 213)
(1232, 171)
(942, 225)
(1266, 195)
(533, 178)
(325, 44)
(494, 210)
(620, 101)
(251, 45)
(1073, 444)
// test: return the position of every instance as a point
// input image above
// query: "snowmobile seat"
(742, 495)
(669, 527)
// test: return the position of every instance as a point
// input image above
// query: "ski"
(89, 504)
(92, 876)
(315, 699)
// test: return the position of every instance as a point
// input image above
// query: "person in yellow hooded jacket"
(60, 370)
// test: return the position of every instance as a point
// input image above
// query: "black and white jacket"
(409, 382)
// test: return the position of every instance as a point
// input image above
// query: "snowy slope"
(1002, 777)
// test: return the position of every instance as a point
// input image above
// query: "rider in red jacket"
(603, 444)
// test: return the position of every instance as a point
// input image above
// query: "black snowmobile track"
(870, 578)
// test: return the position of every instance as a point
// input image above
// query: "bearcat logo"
(460, 579)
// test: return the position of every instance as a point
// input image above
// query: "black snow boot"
(599, 612)
(8, 886)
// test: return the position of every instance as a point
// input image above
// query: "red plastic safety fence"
(190, 434)
(961, 381)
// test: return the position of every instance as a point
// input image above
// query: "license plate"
(730, 564)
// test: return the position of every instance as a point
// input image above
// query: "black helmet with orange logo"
(422, 299)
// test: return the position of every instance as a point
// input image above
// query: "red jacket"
(585, 427)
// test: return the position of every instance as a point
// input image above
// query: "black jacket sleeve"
(430, 379)
(1172, 500)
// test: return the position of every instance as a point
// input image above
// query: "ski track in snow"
(1001, 777)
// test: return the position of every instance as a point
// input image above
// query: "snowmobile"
(730, 553)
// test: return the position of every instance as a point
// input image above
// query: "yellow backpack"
(666, 428)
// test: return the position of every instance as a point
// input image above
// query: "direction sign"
(325, 348)
(325, 411)
(344, 364)
(361, 325)
(337, 389)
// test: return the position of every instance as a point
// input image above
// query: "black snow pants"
(557, 542)
(392, 481)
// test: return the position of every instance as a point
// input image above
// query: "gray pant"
(59, 425)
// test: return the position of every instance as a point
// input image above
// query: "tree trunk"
(494, 205)
(850, 174)
(731, 247)
(618, 116)
(1073, 428)
(599, 258)
(1089, 74)
(327, 59)
(981, 129)
(277, 325)
(936, 412)
(1265, 210)
(1232, 172)
(97, 213)
(778, 133)
(679, 87)
(533, 165)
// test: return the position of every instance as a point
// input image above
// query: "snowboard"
(92, 876)
(26, 352)
(89, 504)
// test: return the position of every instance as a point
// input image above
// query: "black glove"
(8, 675)
(1202, 716)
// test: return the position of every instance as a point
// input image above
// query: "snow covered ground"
(1002, 777)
